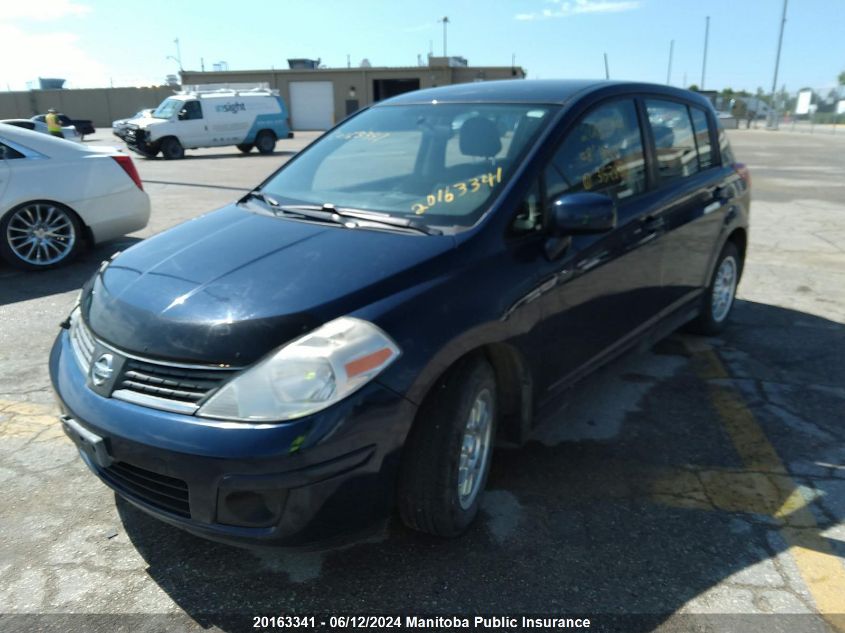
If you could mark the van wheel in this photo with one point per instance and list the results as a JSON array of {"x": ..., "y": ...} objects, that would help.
[
  {"x": 172, "y": 149},
  {"x": 447, "y": 456},
  {"x": 718, "y": 300},
  {"x": 265, "y": 142},
  {"x": 246, "y": 148}
]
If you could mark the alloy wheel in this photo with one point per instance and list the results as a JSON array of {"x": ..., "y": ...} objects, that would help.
[{"x": 41, "y": 234}]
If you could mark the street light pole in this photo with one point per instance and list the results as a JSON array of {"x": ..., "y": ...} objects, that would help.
[
  {"x": 669, "y": 72},
  {"x": 606, "y": 68},
  {"x": 704, "y": 62},
  {"x": 445, "y": 21},
  {"x": 773, "y": 115},
  {"x": 178, "y": 53}
]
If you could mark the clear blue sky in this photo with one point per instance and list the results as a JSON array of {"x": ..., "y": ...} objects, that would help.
[{"x": 93, "y": 42}]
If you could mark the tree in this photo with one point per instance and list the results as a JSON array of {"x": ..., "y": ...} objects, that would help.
[{"x": 694, "y": 87}]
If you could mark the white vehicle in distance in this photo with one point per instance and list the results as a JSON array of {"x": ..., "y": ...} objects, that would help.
[
  {"x": 118, "y": 127},
  {"x": 68, "y": 131},
  {"x": 246, "y": 119},
  {"x": 55, "y": 196}
]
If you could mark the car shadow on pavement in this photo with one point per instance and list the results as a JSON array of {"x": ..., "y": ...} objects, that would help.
[
  {"x": 640, "y": 507},
  {"x": 18, "y": 285}
]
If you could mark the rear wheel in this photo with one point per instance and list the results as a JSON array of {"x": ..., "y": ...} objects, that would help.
[
  {"x": 40, "y": 236},
  {"x": 265, "y": 142},
  {"x": 172, "y": 149},
  {"x": 246, "y": 148},
  {"x": 718, "y": 300},
  {"x": 447, "y": 456}
]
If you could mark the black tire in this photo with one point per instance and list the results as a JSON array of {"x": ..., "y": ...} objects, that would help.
[
  {"x": 712, "y": 320},
  {"x": 171, "y": 149},
  {"x": 246, "y": 148},
  {"x": 65, "y": 223},
  {"x": 428, "y": 497},
  {"x": 265, "y": 142}
]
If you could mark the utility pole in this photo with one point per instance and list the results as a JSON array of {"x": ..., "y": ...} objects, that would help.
[
  {"x": 704, "y": 62},
  {"x": 178, "y": 58},
  {"x": 669, "y": 72},
  {"x": 348, "y": 61},
  {"x": 445, "y": 21},
  {"x": 772, "y": 123},
  {"x": 606, "y": 68},
  {"x": 202, "y": 64}
]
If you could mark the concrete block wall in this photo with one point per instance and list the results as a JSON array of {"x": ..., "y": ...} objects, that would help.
[{"x": 101, "y": 105}]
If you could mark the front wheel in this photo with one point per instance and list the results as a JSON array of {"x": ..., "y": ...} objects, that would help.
[
  {"x": 447, "y": 456},
  {"x": 172, "y": 149},
  {"x": 265, "y": 142},
  {"x": 718, "y": 300},
  {"x": 40, "y": 236}
]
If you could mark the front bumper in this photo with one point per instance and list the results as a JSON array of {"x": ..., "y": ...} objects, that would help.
[{"x": 308, "y": 481}]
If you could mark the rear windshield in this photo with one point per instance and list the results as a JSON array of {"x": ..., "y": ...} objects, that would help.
[{"x": 440, "y": 164}]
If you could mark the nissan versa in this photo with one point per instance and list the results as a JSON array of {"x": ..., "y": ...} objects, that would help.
[{"x": 421, "y": 282}]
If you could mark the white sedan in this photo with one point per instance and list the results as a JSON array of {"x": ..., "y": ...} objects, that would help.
[
  {"x": 68, "y": 131},
  {"x": 55, "y": 195}
]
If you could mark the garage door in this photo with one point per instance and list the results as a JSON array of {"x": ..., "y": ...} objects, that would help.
[{"x": 312, "y": 105}]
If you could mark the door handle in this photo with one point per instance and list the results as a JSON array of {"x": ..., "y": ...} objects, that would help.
[
  {"x": 652, "y": 223},
  {"x": 721, "y": 194}
]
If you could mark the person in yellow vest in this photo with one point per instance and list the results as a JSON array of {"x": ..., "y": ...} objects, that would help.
[{"x": 54, "y": 126}]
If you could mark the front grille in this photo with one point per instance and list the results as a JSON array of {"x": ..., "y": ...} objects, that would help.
[
  {"x": 155, "y": 384},
  {"x": 81, "y": 341},
  {"x": 188, "y": 385},
  {"x": 160, "y": 491}
]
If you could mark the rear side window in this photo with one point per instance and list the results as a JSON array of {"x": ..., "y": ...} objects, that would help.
[
  {"x": 674, "y": 140},
  {"x": 603, "y": 153},
  {"x": 702, "y": 137},
  {"x": 7, "y": 153}
]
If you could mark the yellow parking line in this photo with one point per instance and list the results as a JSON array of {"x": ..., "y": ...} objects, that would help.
[{"x": 821, "y": 570}]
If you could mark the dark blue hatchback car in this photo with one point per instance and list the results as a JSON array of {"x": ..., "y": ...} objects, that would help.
[{"x": 358, "y": 332}]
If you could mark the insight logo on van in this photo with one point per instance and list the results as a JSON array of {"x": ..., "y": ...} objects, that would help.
[{"x": 231, "y": 107}]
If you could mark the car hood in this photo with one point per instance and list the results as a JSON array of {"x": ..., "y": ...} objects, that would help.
[{"x": 232, "y": 285}]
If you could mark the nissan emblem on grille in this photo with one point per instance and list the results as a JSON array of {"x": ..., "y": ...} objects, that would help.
[{"x": 102, "y": 369}]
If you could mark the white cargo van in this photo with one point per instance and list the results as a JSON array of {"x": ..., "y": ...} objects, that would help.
[{"x": 245, "y": 119}]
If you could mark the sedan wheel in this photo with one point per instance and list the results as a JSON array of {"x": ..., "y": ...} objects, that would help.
[
  {"x": 724, "y": 289},
  {"x": 446, "y": 458},
  {"x": 718, "y": 299},
  {"x": 39, "y": 235}
]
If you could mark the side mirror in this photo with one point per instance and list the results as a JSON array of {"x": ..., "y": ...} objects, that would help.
[
  {"x": 582, "y": 214},
  {"x": 183, "y": 115}
]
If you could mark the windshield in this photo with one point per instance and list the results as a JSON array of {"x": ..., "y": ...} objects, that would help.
[
  {"x": 167, "y": 109},
  {"x": 438, "y": 164}
]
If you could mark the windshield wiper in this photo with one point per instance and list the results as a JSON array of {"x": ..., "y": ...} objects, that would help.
[
  {"x": 260, "y": 196},
  {"x": 374, "y": 217}
]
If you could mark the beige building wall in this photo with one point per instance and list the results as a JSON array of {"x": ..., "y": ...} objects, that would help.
[{"x": 345, "y": 79}]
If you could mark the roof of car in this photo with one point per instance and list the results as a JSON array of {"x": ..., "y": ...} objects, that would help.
[
  {"x": 43, "y": 143},
  {"x": 525, "y": 90}
]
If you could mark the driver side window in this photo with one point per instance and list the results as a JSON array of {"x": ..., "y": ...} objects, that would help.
[
  {"x": 602, "y": 153},
  {"x": 192, "y": 110}
]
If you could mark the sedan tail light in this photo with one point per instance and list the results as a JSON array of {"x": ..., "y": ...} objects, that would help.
[{"x": 129, "y": 168}]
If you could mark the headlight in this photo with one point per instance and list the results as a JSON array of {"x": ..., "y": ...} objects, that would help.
[{"x": 306, "y": 375}]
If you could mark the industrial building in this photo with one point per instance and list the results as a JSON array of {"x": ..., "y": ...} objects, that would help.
[{"x": 319, "y": 97}]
